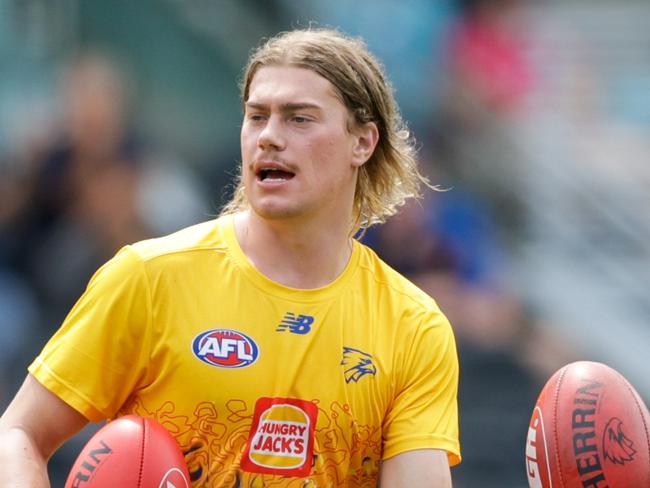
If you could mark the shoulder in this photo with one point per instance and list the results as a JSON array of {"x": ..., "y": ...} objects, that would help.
[
  {"x": 204, "y": 236},
  {"x": 187, "y": 248},
  {"x": 393, "y": 285},
  {"x": 157, "y": 264}
]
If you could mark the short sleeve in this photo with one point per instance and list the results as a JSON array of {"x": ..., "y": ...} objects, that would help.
[
  {"x": 424, "y": 413},
  {"x": 100, "y": 353}
]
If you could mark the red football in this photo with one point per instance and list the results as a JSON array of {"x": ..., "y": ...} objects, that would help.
[
  {"x": 589, "y": 429},
  {"x": 130, "y": 452}
]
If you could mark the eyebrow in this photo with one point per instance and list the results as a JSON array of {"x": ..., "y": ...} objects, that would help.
[{"x": 285, "y": 107}]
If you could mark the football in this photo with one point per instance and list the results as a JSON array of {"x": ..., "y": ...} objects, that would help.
[
  {"x": 589, "y": 429},
  {"x": 130, "y": 452}
]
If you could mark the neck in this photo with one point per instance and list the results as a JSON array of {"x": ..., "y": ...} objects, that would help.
[{"x": 297, "y": 255}]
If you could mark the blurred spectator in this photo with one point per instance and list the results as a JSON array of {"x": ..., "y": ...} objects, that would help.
[
  {"x": 78, "y": 204},
  {"x": 88, "y": 187},
  {"x": 488, "y": 79},
  {"x": 487, "y": 55}
]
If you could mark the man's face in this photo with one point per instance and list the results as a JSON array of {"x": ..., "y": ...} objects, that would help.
[{"x": 298, "y": 158}]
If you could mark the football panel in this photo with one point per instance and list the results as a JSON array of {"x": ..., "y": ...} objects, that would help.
[
  {"x": 112, "y": 457},
  {"x": 163, "y": 464}
]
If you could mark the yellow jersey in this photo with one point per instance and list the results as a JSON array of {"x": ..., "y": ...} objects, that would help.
[{"x": 261, "y": 384}]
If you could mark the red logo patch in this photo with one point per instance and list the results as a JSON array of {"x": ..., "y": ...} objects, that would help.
[{"x": 281, "y": 439}]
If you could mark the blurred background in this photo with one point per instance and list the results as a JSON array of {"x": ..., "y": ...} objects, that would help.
[{"x": 119, "y": 121}]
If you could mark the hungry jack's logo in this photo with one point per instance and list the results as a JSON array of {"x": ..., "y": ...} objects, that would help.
[{"x": 281, "y": 439}]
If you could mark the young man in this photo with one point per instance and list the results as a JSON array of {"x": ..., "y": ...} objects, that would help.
[{"x": 278, "y": 349}]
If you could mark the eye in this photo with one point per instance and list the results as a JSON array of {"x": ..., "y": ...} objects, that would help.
[
  {"x": 255, "y": 117},
  {"x": 299, "y": 119}
]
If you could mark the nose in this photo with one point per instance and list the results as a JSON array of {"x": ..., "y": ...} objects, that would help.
[{"x": 272, "y": 136}]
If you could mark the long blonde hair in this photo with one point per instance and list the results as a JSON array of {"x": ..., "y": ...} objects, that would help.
[{"x": 391, "y": 175}]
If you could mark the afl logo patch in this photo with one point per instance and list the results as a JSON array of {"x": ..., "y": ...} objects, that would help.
[{"x": 225, "y": 348}]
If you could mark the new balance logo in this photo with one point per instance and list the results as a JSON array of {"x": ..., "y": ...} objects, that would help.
[{"x": 300, "y": 324}]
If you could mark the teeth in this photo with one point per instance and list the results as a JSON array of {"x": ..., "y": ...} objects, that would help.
[{"x": 266, "y": 173}]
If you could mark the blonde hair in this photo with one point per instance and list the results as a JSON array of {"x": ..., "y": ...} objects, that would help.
[{"x": 391, "y": 175}]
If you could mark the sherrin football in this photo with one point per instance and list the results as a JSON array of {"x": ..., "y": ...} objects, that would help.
[
  {"x": 589, "y": 429},
  {"x": 130, "y": 452}
]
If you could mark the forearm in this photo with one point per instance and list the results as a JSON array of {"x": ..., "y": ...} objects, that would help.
[
  {"x": 32, "y": 428},
  {"x": 21, "y": 464}
]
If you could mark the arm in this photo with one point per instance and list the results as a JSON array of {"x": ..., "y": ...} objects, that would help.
[
  {"x": 419, "y": 468},
  {"x": 34, "y": 425}
]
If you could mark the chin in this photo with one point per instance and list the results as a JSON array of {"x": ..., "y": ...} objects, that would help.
[{"x": 276, "y": 211}]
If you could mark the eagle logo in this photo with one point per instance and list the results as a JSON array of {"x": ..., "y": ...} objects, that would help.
[
  {"x": 617, "y": 447},
  {"x": 357, "y": 364}
]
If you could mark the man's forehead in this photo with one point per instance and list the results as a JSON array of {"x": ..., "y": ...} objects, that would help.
[{"x": 290, "y": 85}]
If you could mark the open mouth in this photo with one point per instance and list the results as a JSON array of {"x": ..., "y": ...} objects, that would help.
[{"x": 274, "y": 174}]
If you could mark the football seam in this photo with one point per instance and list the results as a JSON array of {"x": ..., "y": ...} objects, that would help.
[
  {"x": 556, "y": 395},
  {"x": 142, "y": 451},
  {"x": 639, "y": 407}
]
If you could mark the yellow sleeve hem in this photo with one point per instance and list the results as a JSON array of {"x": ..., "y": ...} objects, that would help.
[
  {"x": 66, "y": 392},
  {"x": 425, "y": 442}
]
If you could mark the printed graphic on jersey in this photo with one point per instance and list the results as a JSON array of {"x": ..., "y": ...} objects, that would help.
[
  {"x": 213, "y": 439},
  {"x": 225, "y": 348},
  {"x": 357, "y": 364},
  {"x": 281, "y": 439},
  {"x": 300, "y": 324}
]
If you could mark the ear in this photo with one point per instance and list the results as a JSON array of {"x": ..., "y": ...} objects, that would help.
[{"x": 366, "y": 137}]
